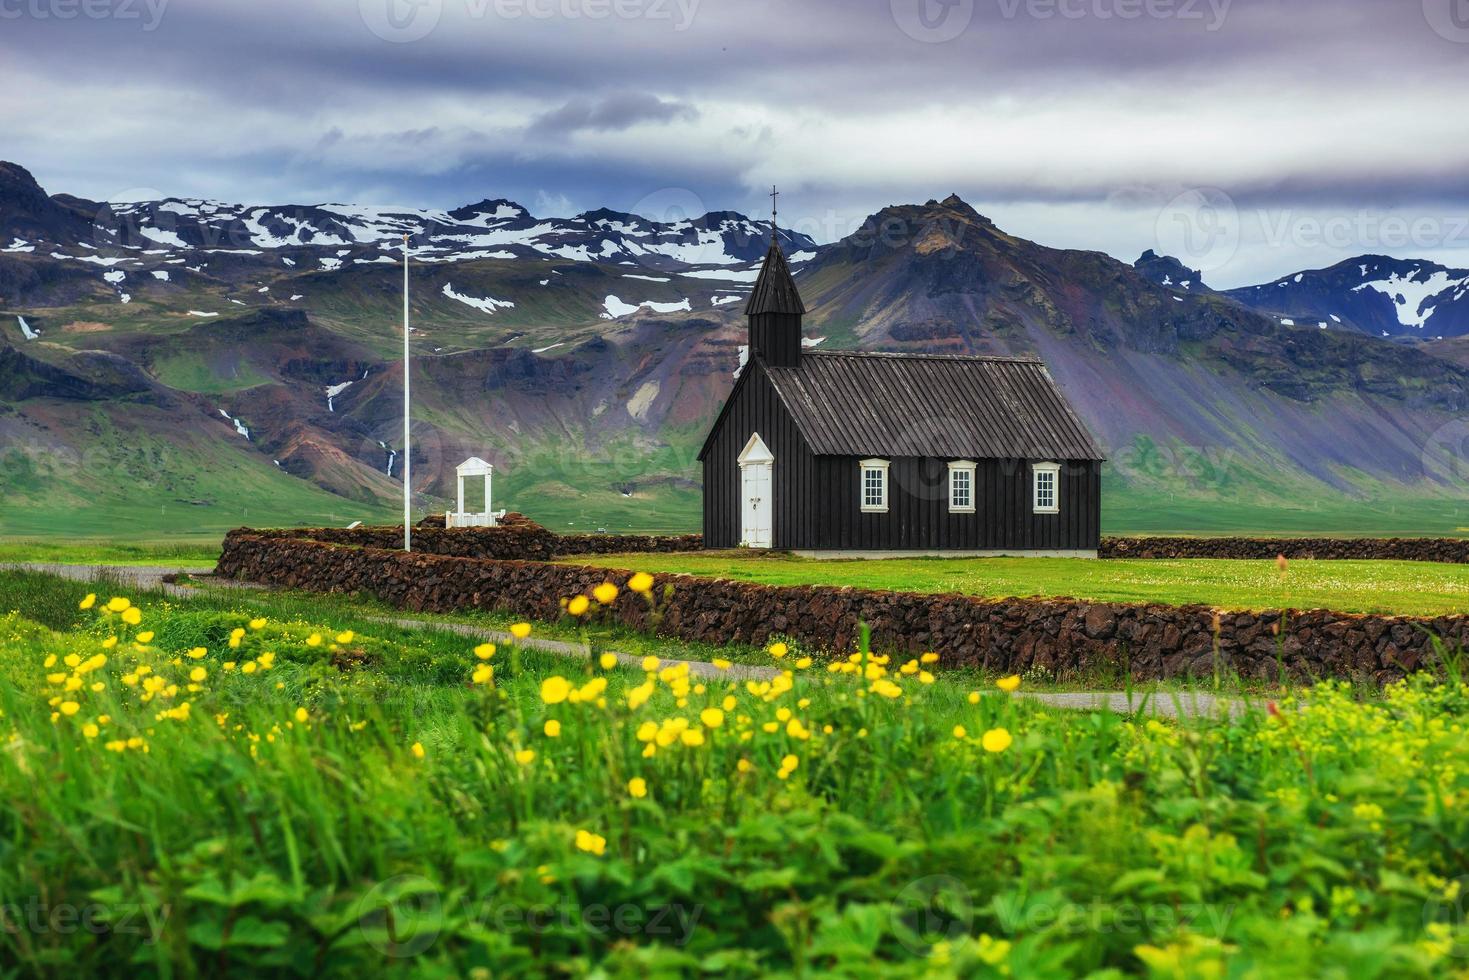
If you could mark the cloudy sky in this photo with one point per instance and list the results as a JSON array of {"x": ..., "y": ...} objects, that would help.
[{"x": 1250, "y": 137}]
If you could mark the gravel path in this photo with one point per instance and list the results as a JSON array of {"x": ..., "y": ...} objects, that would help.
[{"x": 1163, "y": 704}]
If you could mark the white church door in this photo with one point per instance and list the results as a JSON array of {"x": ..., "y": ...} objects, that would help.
[{"x": 757, "y": 488}]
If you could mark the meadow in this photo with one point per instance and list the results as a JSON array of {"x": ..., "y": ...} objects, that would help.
[
  {"x": 250, "y": 783},
  {"x": 1395, "y": 587}
]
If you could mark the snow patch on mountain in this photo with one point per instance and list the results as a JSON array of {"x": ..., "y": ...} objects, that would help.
[
  {"x": 1409, "y": 294},
  {"x": 486, "y": 305},
  {"x": 616, "y": 308}
]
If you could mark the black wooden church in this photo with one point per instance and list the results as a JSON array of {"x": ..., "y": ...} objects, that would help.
[{"x": 840, "y": 453}]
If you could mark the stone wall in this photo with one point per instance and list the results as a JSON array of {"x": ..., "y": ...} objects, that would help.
[
  {"x": 516, "y": 537},
  {"x": 1060, "y": 636},
  {"x": 1451, "y": 550}
]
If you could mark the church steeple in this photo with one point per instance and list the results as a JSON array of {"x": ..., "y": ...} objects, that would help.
[{"x": 775, "y": 309}]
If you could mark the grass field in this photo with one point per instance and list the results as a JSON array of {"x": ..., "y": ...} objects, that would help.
[
  {"x": 252, "y": 788},
  {"x": 1398, "y": 587}
]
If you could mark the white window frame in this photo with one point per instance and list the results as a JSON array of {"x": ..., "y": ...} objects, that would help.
[
  {"x": 1054, "y": 470},
  {"x": 967, "y": 467},
  {"x": 880, "y": 467}
]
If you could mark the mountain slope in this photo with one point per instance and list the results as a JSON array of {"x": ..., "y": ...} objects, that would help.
[{"x": 252, "y": 364}]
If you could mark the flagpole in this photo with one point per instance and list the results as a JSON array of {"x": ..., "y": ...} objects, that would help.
[{"x": 407, "y": 448}]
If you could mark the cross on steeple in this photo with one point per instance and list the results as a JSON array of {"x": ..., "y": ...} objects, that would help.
[{"x": 773, "y": 193}]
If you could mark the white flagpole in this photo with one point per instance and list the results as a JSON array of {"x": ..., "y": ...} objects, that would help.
[{"x": 407, "y": 449}]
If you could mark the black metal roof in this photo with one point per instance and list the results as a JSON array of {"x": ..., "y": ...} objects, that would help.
[
  {"x": 775, "y": 290},
  {"x": 944, "y": 406}
]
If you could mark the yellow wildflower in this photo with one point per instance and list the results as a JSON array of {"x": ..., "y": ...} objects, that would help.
[
  {"x": 301, "y": 714},
  {"x": 525, "y": 756},
  {"x": 145, "y": 637},
  {"x": 198, "y": 674},
  {"x": 721, "y": 664},
  {"x": 641, "y": 582},
  {"x": 711, "y": 717},
  {"x": 117, "y": 604},
  {"x": 637, "y": 787},
  {"x": 590, "y": 842},
  {"x": 132, "y": 615},
  {"x": 314, "y": 640},
  {"x": 554, "y": 689},
  {"x": 996, "y": 740},
  {"x": 417, "y": 750},
  {"x": 1008, "y": 684},
  {"x": 484, "y": 651},
  {"x": 608, "y": 661},
  {"x": 578, "y": 605},
  {"x": 605, "y": 593},
  {"x": 650, "y": 664},
  {"x": 552, "y": 728},
  {"x": 778, "y": 650},
  {"x": 88, "y": 602},
  {"x": 70, "y": 708},
  {"x": 520, "y": 630},
  {"x": 959, "y": 731},
  {"x": 90, "y": 730}
]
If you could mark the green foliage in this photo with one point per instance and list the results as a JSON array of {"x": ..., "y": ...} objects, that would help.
[{"x": 356, "y": 803}]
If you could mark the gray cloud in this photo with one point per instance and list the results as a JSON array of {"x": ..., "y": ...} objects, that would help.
[
  {"x": 620, "y": 110},
  {"x": 1070, "y": 121}
]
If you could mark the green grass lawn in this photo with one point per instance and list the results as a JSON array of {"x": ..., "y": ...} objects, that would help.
[
  {"x": 1396, "y": 587},
  {"x": 199, "y": 553},
  {"x": 238, "y": 786}
]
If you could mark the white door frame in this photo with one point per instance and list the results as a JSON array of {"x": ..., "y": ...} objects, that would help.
[{"x": 757, "y": 473}]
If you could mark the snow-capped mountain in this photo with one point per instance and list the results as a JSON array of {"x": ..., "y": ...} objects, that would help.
[
  {"x": 332, "y": 235},
  {"x": 1375, "y": 294}
]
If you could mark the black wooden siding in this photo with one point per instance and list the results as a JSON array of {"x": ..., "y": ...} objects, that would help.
[
  {"x": 755, "y": 407},
  {"x": 817, "y": 504}
]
